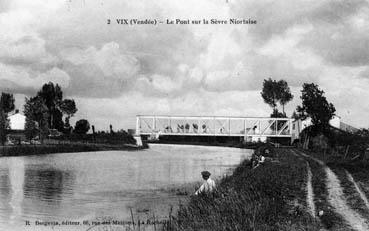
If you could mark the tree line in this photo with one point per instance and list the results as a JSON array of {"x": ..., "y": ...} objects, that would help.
[
  {"x": 45, "y": 111},
  {"x": 314, "y": 103}
]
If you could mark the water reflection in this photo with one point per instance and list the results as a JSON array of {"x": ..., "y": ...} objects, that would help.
[
  {"x": 46, "y": 184},
  {"x": 16, "y": 180},
  {"x": 96, "y": 184}
]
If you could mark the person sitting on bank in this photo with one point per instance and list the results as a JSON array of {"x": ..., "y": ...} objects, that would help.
[
  {"x": 208, "y": 186},
  {"x": 259, "y": 160}
]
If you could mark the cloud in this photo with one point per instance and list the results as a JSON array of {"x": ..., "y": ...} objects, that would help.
[
  {"x": 19, "y": 43},
  {"x": 109, "y": 59},
  {"x": 104, "y": 72},
  {"x": 121, "y": 112},
  {"x": 185, "y": 69},
  {"x": 165, "y": 84},
  {"x": 16, "y": 77}
]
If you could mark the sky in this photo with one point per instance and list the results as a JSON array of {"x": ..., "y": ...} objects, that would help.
[{"x": 115, "y": 72}]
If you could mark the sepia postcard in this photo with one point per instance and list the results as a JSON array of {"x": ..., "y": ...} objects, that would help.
[{"x": 169, "y": 115}]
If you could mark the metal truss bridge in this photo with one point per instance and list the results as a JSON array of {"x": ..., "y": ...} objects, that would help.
[{"x": 213, "y": 126}]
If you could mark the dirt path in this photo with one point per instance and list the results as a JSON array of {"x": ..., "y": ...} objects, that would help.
[
  {"x": 337, "y": 200},
  {"x": 358, "y": 189},
  {"x": 310, "y": 192}
]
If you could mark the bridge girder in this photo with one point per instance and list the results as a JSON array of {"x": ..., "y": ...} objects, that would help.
[{"x": 213, "y": 126}]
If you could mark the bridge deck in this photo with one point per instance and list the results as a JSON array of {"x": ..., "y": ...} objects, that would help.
[{"x": 213, "y": 126}]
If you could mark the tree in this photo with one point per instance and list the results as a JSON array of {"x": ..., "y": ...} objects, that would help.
[
  {"x": 111, "y": 129},
  {"x": 6, "y": 106},
  {"x": 36, "y": 110},
  {"x": 7, "y": 102},
  {"x": 68, "y": 107},
  {"x": 315, "y": 105},
  {"x": 295, "y": 116},
  {"x": 285, "y": 95},
  {"x": 82, "y": 126},
  {"x": 56, "y": 106},
  {"x": 52, "y": 96},
  {"x": 4, "y": 125},
  {"x": 30, "y": 128},
  {"x": 277, "y": 114},
  {"x": 270, "y": 92},
  {"x": 274, "y": 92}
]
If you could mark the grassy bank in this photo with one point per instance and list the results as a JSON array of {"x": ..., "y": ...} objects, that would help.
[
  {"x": 26, "y": 150},
  {"x": 270, "y": 197}
]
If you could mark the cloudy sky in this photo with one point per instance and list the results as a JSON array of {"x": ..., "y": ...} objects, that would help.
[{"x": 115, "y": 72}]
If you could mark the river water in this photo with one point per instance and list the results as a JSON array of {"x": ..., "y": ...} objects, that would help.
[{"x": 102, "y": 185}]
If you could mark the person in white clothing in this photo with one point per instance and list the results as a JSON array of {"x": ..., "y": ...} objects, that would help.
[
  {"x": 259, "y": 160},
  {"x": 208, "y": 186}
]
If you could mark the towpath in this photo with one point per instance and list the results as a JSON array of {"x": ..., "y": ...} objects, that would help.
[{"x": 336, "y": 197}]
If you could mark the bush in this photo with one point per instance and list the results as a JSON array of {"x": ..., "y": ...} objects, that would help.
[
  {"x": 82, "y": 126},
  {"x": 121, "y": 137}
]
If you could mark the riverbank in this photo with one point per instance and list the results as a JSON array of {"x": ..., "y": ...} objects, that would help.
[
  {"x": 294, "y": 190},
  {"x": 270, "y": 197},
  {"x": 27, "y": 150}
]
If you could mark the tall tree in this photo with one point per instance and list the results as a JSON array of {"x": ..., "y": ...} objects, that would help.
[
  {"x": 285, "y": 95},
  {"x": 36, "y": 110},
  {"x": 270, "y": 92},
  {"x": 68, "y": 107},
  {"x": 7, "y": 102},
  {"x": 315, "y": 105},
  {"x": 52, "y": 96},
  {"x": 6, "y": 106},
  {"x": 4, "y": 126},
  {"x": 274, "y": 92}
]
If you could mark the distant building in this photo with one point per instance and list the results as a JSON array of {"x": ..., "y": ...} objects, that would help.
[
  {"x": 17, "y": 121},
  {"x": 348, "y": 128},
  {"x": 299, "y": 125}
]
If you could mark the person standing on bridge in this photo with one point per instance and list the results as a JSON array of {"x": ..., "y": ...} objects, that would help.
[{"x": 208, "y": 186}]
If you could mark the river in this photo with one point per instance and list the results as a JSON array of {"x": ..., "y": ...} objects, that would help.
[{"x": 101, "y": 185}]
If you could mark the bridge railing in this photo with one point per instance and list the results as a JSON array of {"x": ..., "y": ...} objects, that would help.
[{"x": 216, "y": 126}]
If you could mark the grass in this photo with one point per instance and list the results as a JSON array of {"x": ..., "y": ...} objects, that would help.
[
  {"x": 26, "y": 150},
  {"x": 351, "y": 195},
  {"x": 270, "y": 197},
  {"x": 359, "y": 170},
  {"x": 330, "y": 219}
]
